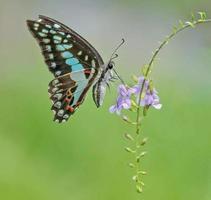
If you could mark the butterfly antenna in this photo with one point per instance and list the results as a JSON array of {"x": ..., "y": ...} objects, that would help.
[{"x": 114, "y": 55}]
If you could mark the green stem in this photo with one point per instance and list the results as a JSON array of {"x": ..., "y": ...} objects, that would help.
[{"x": 146, "y": 76}]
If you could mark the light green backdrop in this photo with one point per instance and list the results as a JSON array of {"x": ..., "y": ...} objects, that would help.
[{"x": 84, "y": 158}]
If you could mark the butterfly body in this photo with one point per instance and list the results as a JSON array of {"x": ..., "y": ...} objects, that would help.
[
  {"x": 75, "y": 64},
  {"x": 99, "y": 88}
]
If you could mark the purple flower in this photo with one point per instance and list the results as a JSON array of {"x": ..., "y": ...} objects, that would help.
[
  {"x": 137, "y": 88},
  {"x": 150, "y": 97},
  {"x": 123, "y": 100}
]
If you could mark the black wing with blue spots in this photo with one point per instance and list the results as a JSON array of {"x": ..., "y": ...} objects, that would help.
[{"x": 74, "y": 62}]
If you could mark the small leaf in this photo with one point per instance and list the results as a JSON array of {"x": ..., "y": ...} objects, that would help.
[
  {"x": 131, "y": 165},
  {"x": 139, "y": 189},
  {"x": 126, "y": 119},
  {"x": 203, "y": 15},
  {"x": 190, "y": 24},
  {"x": 135, "y": 178},
  {"x": 142, "y": 172},
  {"x": 135, "y": 78},
  {"x": 192, "y": 17},
  {"x": 133, "y": 123},
  {"x": 143, "y": 154},
  {"x": 142, "y": 183},
  {"x": 181, "y": 23},
  {"x": 128, "y": 136},
  {"x": 133, "y": 109},
  {"x": 174, "y": 29},
  {"x": 146, "y": 108},
  {"x": 151, "y": 86},
  {"x": 134, "y": 104},
  {"x": 144, "y": 69},
  {"x": 140, "y": 156},
  {"x": 129, "y": 150},
  {"x": 144, "y": 141}
]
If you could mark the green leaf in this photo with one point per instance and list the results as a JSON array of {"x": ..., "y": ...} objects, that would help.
[
  {"x": 143, "y": 154},
  {"x": 144, "y": 69},
  {"x": 190, "y": 24},
  {"x": 192, "y": 17},
  {"x": 131, "y": 165},
  {"x": 126, "y": 119},
  {"x": 146, "y": 108},
  {"x": 138, "y": 159},
  {"x": 144, "y": 141},
  {"x": 135, "y": 178},
  {"x": 203, "y": 15},
  {"x": 129, "y": 150},
  {"x": 139, "y": 189},
  {"x": 181, "y": 23},
  {"x": 175, "y": 29},
  {"x": 134, "y": 78},
  {"x": 142, "y": 172},
  {"x": 128, "y": 136},
  {"x": 134, "y": 104},
  {"x": 151, "y": 86},
  {"x": 142, "y": 183}
]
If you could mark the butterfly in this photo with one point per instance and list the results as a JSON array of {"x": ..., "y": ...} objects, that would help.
[{"x": 75, "y": 64}]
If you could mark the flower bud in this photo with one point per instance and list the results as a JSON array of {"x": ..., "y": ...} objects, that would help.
[
  {"x": 128, "y": 136},
  {"x": 129, "y": 150},
  {"x": 139, "y": 189},
  {"x": 144, "y": 141}
]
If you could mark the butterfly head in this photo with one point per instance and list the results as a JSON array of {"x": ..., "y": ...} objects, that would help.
[{"x": 110, "y": 65}]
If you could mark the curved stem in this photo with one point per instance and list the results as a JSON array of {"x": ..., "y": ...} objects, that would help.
[
  {"x": 146, "y": 76},
  {"x": 168, "y": 38}
]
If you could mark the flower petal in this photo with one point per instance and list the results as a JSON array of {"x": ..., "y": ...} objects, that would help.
[
  {"x": 122, "y": 90},
  {"x": 126, "y": 105},
  {"x": 157, "y": 106},
  {"x": 112, "y": 109},
  {"x": 135, "y": 90}
]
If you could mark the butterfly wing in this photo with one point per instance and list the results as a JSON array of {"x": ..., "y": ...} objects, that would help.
[{"x": 73, "y": 61}]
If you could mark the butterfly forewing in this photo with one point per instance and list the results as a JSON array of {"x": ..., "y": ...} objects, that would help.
[{"x": 73, "y": 61}]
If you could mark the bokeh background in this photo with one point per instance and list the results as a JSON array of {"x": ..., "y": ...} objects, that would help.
[{"x": 84, "y": 158}]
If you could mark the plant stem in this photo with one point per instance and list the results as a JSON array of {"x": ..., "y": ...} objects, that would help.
[{"x": 146, "y": 76}]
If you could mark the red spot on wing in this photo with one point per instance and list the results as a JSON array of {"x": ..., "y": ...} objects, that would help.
[
  {"x": 87, "y": 71},
  {"x": 70, "y": 108},
  {"x": 67, "y": 100}
]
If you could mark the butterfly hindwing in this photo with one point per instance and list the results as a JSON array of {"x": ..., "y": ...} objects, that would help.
[
  {"x": 73, "y": 61},
  {"x": 67, "y": 93}
]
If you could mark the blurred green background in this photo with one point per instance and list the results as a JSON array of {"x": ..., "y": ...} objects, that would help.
[{"x": 84, "y": 158}]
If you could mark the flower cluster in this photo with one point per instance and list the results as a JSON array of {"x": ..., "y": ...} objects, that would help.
[{"x": 149, "y": 96}]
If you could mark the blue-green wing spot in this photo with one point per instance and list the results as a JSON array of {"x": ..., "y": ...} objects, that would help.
[
  {"x": 63, "y": 47},
  {"x": 66, "y": 54},
  {"x": 77, "y": 67},
  {"x": 72, "y": 61}
]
